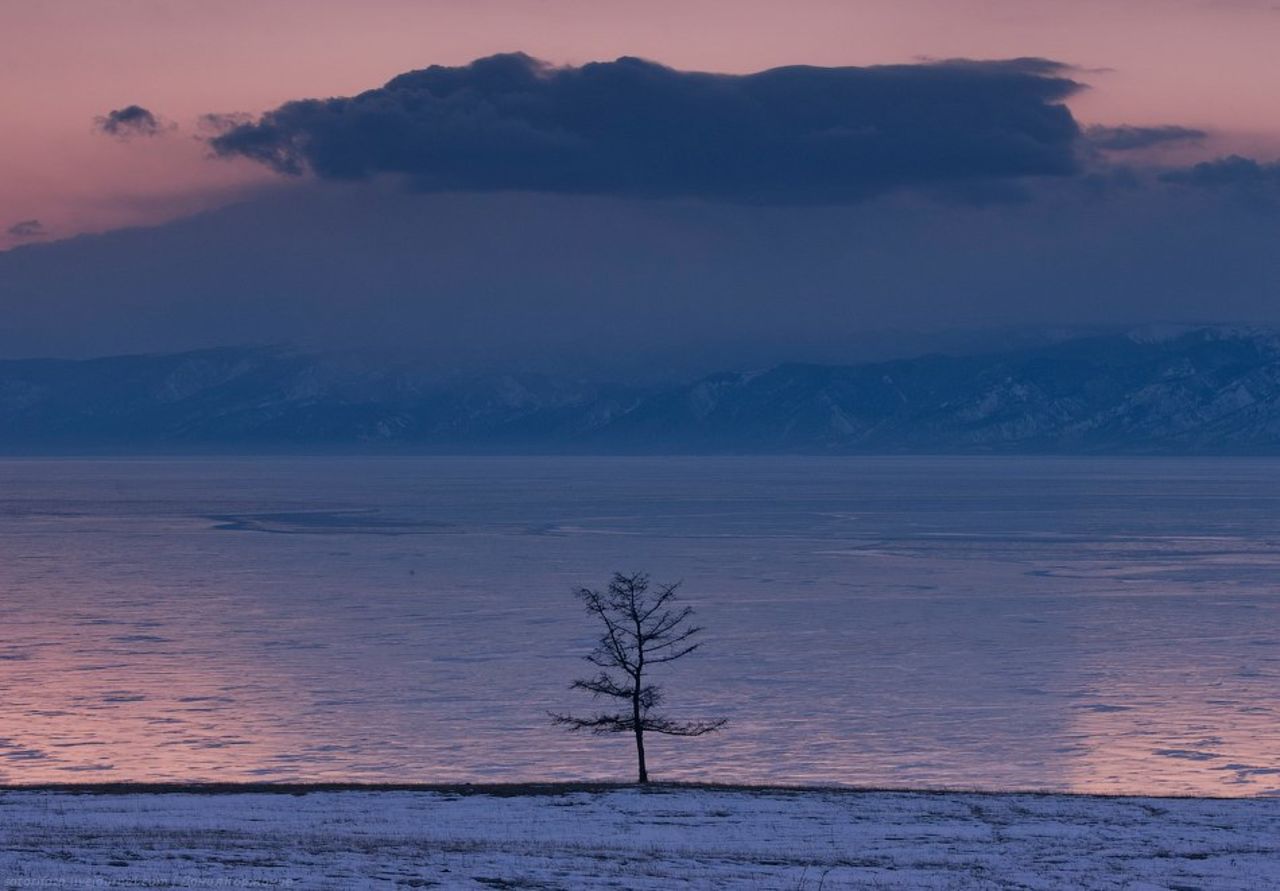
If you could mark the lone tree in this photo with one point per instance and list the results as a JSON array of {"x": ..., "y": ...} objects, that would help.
[{"x": 643, "y": 627}]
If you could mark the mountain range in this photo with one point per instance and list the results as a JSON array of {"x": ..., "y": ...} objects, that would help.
[{"x": 1210, "y": 390}]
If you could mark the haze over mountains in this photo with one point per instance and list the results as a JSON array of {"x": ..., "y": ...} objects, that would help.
[{"x": 1189, "y": 391}]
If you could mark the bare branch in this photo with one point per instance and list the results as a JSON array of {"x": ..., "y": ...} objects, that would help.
[
  {"x": 668, "y": 621},
  {"x": 597, "y": 724},
  {"x": 673, "y": 656},
  {"x": 676, "y": 639},
  {"x": 664, "y": 596},
  {"x": 611, "y": 650},
  {"x": 603, "y": 685},
  {"x": 686, "y": 728}
]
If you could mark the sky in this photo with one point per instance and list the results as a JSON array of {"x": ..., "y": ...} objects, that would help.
[{"x": 740, "y": 181}]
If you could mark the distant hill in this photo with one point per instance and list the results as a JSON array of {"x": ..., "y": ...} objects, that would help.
[{"x": 1190, "y": 391}]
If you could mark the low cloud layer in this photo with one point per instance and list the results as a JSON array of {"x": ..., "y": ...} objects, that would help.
[
  {"x": 507, "y": 280},
  {"x": 635, "y": 128},
  {"x": 132, "y": 120}
]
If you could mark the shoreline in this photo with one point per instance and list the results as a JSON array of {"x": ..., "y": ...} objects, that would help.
[{"x": 552, "y": 788}]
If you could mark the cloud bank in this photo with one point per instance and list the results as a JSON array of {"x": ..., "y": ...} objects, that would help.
[
  {"x": 530, "y": 280},
  {"x": 635, "y": 128}
]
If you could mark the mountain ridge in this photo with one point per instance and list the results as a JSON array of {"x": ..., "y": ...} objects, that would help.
[{"x": 1205, "y": 390}]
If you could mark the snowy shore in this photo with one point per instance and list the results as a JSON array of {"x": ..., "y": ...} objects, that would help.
[{"x": 621, "y": 837}]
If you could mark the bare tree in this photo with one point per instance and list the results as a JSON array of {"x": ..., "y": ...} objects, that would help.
[{"x": 643, "y": 628}]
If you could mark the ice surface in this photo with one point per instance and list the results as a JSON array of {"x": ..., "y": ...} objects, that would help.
[{"x": 1012, "y": 623}]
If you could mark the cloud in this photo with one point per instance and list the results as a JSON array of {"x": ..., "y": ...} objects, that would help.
[
  {"x": 1232, "y": 170},
  {"x": 27, "y": 229},
  {"x": 1125, "y": 137},
  {"x": 132, "y": 120},
  {"x": 636, "y": 128},
  {"x": 217, "y": 123}
]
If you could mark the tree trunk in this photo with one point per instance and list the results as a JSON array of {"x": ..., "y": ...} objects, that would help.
[
  {"x": 644, "y": 774},
  {"x": 635, "y": 717}
]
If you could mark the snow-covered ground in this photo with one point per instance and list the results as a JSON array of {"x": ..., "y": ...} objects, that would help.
[{"x": 626, "y": 838}]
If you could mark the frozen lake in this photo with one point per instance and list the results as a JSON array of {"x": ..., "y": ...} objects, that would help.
[{"x": 1096, "y": 625}]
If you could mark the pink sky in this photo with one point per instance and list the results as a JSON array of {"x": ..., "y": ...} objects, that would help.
[{"x": 1205, "y": 63}]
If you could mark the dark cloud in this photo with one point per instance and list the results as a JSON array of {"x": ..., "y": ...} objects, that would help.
[
  {"x": 1126, "y": 138},
  {"x": 1232, "y": 170},
  {"x": 26, "y": 229},
  {"x": 132, "y": 120},
  {"x": 635, "y": 128}
]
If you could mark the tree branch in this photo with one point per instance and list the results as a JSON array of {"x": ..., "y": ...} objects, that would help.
[
  {"x": 603, "y": 685},
  {"x": 682, "y": 728},
  {"x": 596, "y": 724}
]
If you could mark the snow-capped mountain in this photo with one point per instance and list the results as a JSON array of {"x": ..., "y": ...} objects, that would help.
[{"x": 1200, "y": 390}]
